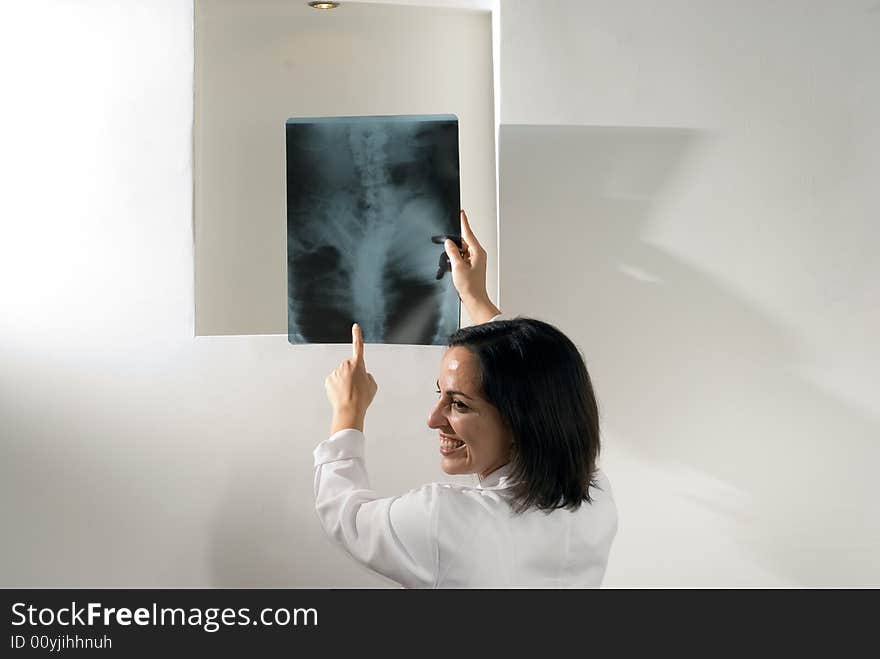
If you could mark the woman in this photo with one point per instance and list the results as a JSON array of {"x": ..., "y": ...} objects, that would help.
[{"x": 516, "y": 408}]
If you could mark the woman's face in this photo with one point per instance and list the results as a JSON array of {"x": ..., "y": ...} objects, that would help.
[{"x": 462, "y": 414}]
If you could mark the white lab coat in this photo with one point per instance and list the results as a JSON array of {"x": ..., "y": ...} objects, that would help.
[
  {"x": 444, "y": 535},
  {"x": 448, "y": 535}
]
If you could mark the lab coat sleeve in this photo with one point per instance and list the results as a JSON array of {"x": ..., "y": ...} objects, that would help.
[{"x": 394, "y": 536}]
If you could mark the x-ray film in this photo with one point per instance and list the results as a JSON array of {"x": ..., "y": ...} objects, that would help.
[{"x": 369, "y": 202}]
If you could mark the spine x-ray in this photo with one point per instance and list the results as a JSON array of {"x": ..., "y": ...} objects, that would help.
[{"x": 369, "y": 202}]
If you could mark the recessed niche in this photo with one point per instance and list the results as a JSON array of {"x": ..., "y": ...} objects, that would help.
[{"x": 257, "y": 64}]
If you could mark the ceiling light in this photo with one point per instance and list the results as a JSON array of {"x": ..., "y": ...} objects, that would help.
[{"x": 323, "y": 5}]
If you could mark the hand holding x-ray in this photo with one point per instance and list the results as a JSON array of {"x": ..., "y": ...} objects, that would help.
[
  {"x": 467, "y": 260},
  {"x": 444, "y": 265}
]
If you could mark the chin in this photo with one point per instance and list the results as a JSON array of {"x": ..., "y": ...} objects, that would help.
[{"x": 453, "y": 469}]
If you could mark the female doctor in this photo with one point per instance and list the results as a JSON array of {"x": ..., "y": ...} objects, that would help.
[{"x": 516, "y": 408}]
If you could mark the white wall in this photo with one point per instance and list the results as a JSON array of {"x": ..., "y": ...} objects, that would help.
[
  {"x": 689, "y": 190},
  {"x": 132, "y": 453}
]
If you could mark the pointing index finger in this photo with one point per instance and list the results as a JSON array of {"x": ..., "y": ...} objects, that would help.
[{"x": 357, "y": 343}]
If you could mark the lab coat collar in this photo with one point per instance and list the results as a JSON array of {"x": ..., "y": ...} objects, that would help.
[{"x": 497, "y": 480}]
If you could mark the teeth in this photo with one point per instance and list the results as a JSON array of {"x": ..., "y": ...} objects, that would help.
[{"x": 449, "y": 444}]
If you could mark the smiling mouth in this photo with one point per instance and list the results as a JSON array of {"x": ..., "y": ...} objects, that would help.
[{"x": 449, "y": 446}]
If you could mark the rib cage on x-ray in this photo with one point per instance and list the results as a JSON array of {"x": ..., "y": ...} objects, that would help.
[{"x": 365, "y": 195}]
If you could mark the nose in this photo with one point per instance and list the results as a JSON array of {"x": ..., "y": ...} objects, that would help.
[{"x": 436, "y": 418}]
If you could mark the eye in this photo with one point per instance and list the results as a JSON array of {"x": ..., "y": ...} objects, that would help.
[{"x": 461, "y": 405}]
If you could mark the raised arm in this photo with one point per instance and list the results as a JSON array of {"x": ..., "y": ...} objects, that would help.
[
  {"x": 393, "y": 536},
  {"x": 480, "y": 310}
]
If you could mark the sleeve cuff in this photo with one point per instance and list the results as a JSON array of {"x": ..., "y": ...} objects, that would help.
[{"x": 341, "y": 445}]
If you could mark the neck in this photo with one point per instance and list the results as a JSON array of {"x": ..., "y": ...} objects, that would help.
[{"x": 491, "y": 469}]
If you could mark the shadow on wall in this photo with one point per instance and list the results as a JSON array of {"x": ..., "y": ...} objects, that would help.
[
  {"x": 264, "y": 531},
  {"x": 687, "y": 372},
  {"x": 267, "y": 533}
]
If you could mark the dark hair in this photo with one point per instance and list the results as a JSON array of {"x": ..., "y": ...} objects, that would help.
[{"x": 538, "y": 380}]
